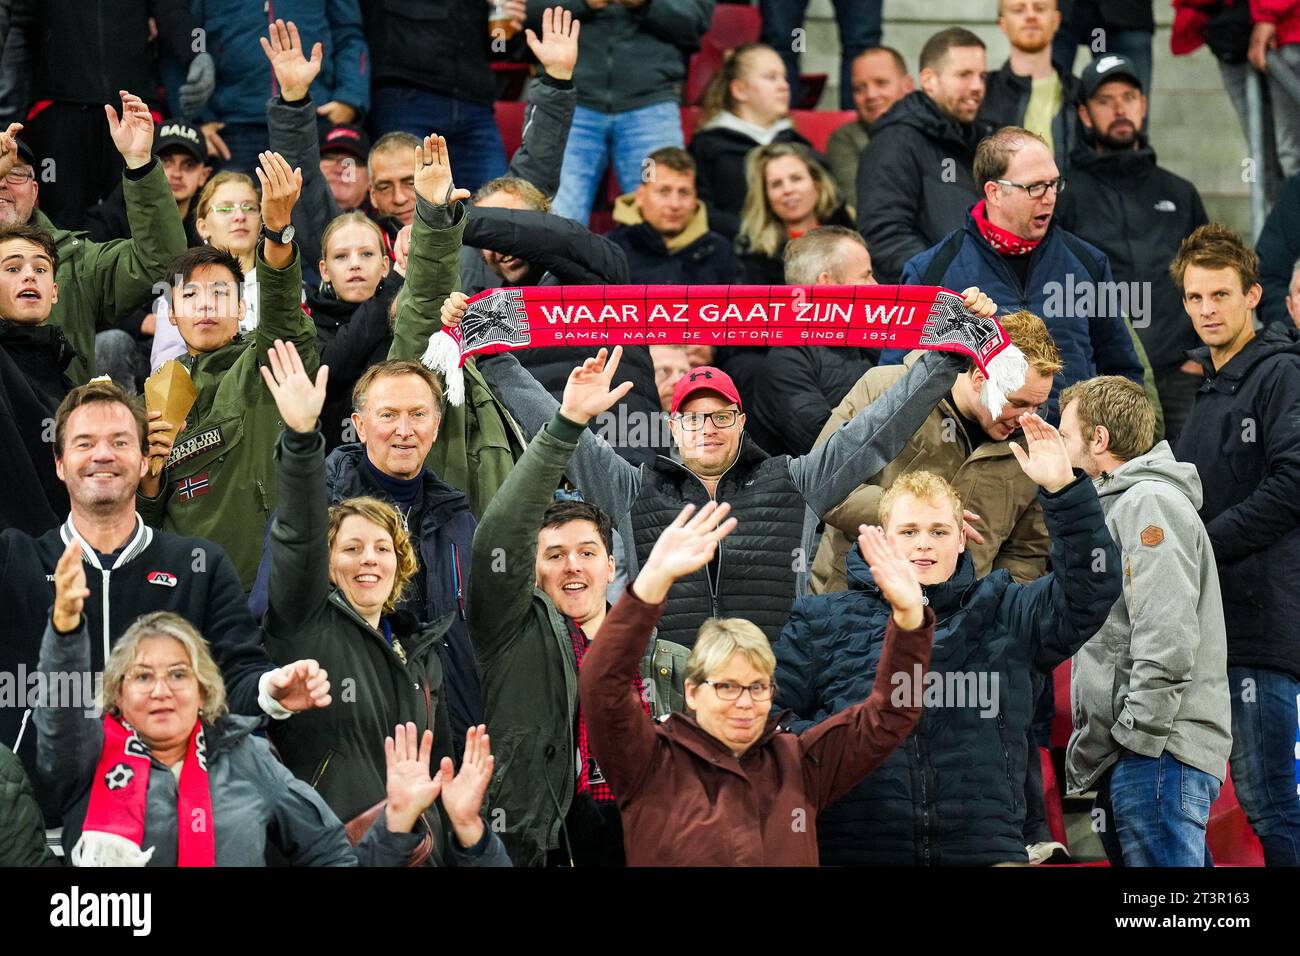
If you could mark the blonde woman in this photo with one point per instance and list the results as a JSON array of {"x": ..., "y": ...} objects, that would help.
[
  {"x": 787, "y": 194},
  {"x": 337, "y": 575}
]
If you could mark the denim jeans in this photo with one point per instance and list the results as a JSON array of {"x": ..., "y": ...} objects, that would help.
[
  {"x": 1263, "y": 758},
  {"x": 473, "y": 140},
  {"x": 1235, "y": 76},
  {"x": 1154, "y": 811},
  {"x": 859, "y": 27},
  {"x": 626, "y": 138}
]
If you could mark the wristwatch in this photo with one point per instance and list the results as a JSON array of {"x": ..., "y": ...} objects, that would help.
[{"x": 284, "y": 236}]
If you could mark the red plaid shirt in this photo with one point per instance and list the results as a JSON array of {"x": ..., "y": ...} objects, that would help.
[{"x": 590, "y": 779}]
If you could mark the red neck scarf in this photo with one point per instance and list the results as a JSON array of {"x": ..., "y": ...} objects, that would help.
[
  {"x": 113, "y": 831},
  {"x": 1003, "y": 242}
]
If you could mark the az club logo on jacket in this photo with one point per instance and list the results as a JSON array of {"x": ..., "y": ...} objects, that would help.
[{"x": 163, "y": 578}]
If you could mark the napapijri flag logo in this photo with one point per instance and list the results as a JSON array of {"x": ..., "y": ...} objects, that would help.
[{"x": 194, "y": 486}]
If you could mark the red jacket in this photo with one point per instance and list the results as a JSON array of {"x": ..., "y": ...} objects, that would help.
[
  {"x": 1190, "y": 17},
  {"x": 1284, "y": 14},
  {"x": 686, "y": 800}
]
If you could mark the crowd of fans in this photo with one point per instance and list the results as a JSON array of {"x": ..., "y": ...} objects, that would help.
[{"x": 273, "y": 595}]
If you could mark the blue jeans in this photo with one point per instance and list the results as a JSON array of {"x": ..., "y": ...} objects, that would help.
[
  {"x": 859, "y": 27},
  {"x": 1079, "y": 31},
  {"x": 1154, "y": 811},
  {"x": 477, "y": 154},
  {"x": 1263, "y": 758},
  {"x": 626, "y": 138}
]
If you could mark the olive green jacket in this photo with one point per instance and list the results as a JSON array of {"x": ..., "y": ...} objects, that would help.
[
  {"x": 530, "y": 678},
  {"x": 478, "y": 442},
  {"x": 102, "y": 283},
  {"x": 220, "y": 481}
]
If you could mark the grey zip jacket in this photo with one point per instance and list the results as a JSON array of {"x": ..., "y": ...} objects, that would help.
[{"x": 1155, "y": 677}]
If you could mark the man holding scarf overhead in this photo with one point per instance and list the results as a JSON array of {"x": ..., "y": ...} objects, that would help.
[{"x": 754, "y": 574}]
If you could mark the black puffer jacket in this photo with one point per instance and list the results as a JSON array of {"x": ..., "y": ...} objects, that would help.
[
  {"x": 1243, "y": 436},
  {"x": 708, "y": 260},
  {"x": 1119, "y": 14},
  {"x": 33, "y": 361},
  {"x": 1006, "y": 97},
  {"x": 1278, "y": 246},
  {"x": 915, "y": 183},
  {"x": 561, "y": 251},
  {"x": 1137, "y": 214},
  {"x": 757, "y": 268},
  {"x": 438, "y": 46},
  {"x": 953, "y": 793},
  {"x": 720, "y": 172},
  {"x": 22, "y": 831},
  {"x": 798, "y": 389},
  {"x": 758, "y": 487}
]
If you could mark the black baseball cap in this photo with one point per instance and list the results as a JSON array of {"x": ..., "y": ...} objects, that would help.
[
  {"x": 175, "y": 134},
  {"x": 25, "y": 154},
  {"x": 345, "y": 139},
  {"x": 1107, "y": 67}
]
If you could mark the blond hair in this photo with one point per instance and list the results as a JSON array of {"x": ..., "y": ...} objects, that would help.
[
  {"x": 1029, "y": 334},
  {"x": 353, "y": 218},
  {"x": 204, "y": 204},
  {"x": 759, "y": 226},
  {"x": 923, "y": 486},
  {"x": 385, "y": 517},
  {"x": 164, "y": 624},
  {"x": 394, "y": 368},
  {"x": 1118, "y": 405},
  {"x": 721, "y": 637}
]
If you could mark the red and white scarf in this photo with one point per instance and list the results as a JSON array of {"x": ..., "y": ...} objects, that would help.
[
  {"x": 871, "y": 316},
  {"x": 113, "y": 831},
  {"x": 1003, "y": 242}
]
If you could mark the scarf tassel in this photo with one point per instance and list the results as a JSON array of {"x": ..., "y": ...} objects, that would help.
[{"x": 97, "y": 848}]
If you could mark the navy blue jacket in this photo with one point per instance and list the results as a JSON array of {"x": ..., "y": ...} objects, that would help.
[
  {"x": 953, "y": 792},
  {"x": 1243, "y": 436},
  {"x": 1060, "y": 290}
]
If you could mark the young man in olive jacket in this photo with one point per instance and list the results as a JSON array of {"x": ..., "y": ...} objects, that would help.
[
  {"x": 220, "y": 478},
  {"x": 537, "y": 600}
]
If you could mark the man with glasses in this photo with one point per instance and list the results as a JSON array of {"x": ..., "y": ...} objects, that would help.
[
  {"x": 1137, "y": 213},
  {"x": 1011, "y": 247},
  {"x": 777, "y": 499}
]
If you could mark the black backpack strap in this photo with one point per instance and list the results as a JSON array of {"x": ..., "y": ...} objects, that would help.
[
  {"x": 947, "y": 252},
  {"x": 1075, "y": 245}
]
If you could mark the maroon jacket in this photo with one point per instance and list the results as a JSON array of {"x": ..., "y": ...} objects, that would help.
[{"x": 685, "y": 798}]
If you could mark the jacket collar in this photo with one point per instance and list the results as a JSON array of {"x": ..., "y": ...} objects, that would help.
[
  {"x": 627, "y": 214},
  {"x": 346, "y": 477},
  {"x": 45, "y": 338},
  {"x": 686, "y": 731},
  {"x": 944, "y": 597},
  {"x": 141, "y": 539},
  {"x": 1273, "y": 340}
]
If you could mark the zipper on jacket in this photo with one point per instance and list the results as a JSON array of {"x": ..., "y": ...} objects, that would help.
[
  {"x": 715, "y": 593},
  {"x": 458, "y": 579},
  {"x": 261, "y": 491},
  {"x": 925, "y": 799},
  {"x": 321, "y": 768},
  {"x": 1006, "y": 756},
  {"x": 104, "y": 613}
]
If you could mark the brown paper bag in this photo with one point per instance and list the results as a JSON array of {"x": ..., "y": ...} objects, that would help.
[{"x": 169, "y": 390}]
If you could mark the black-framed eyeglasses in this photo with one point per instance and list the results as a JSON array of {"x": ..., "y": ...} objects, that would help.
[
  {"x": 694, "y": 421},
  {"x": 726, "y": 690},
  {"x": 1037, "y": 190},
  {"x": 20, "y": 175}
]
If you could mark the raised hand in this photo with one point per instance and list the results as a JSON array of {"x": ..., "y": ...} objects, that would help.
[
  {"x": 133, "y": 133},
  {"x": 588, "y": 393},
  {"x": 684, "y": 547},
  {"x": 557, "y": 50},
  {"x": 968, "y": 519},
  {"x": 454, "y": 308},
  {"x": 402, "y": 250},
  {"x": 893, "y": 575},
  {"x": 70, "y": 591},
  {"x": 9, "y": 148},
  {"x": 1048, "y": 463},
  {"x": 212, "y": 136},
  {"x": 300, "y": 686},
  {"x": 293, "y": 71},
  {"x": 336, "y": 111},
  {"x": 433, "y": 173},
  {"x": 462, "y": 794},
  {"x": 297, "y": 398},
  {"x": 161, "y": 435},
  {"x": 281, "y": 187},
  {"x": 979, "y": 303},
  {"x": 411, "y": 790}
]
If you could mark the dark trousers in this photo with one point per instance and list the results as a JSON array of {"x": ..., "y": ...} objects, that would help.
[
  {"x": 77, "y": 164},
  {"x": 859, "y": 27},
  {"x": 1177, "y": 390},
  {"x": 593, "y": 832},
  {"x": 245, "y": 141},
  {"x": 473, "y": 140}
]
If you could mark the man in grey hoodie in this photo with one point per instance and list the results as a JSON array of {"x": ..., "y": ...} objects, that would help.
[{"x": 1149, "y": 693}]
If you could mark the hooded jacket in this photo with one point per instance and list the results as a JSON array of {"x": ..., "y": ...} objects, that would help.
[
  {"x": 953, "y": 793},
  {"x": 1006, "y": 98},
  {"x": 22, "y": 831},
  {"x": 33, "y": 381},
  {"x": 695, "y": 256},
  {"x": 1243, "y": 436},
  {"x": 688, "y": 800},
  {"x": 799, "y": 387},
  {"x": 1278, "y": 246},
  {"x": 1155, "y": 678},
  {"x": 1137, "y": 214},
  {"x": 719, "y": 151},
  {"x": 441, "y": 47},
  {"x": 988, "y": 479},
  {"x": 914, "y": 181}
]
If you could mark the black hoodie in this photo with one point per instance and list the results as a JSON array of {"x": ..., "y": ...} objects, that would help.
[
  {"x": 1243, "y": 436},
  {"x": 1138, "y": 214},
  {"x": 915, "y": 182}
]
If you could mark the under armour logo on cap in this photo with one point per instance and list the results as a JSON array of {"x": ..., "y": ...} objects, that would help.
[{"x": 699, "y": 375}]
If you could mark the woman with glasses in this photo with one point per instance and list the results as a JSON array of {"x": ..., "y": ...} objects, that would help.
[
  {"x": 227, "y": 216},
  {"x": 724, "y": 785},
  {"x": 788, "y": 194}
]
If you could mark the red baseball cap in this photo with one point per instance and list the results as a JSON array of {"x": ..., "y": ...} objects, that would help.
[{"x": 706, "y": 378}]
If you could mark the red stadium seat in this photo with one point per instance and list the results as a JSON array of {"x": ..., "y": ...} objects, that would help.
[
  {"x": 1052, "y": 798},
  {"x": 510, "y": 78},
  {"x": 732, "y": 26},
  {"x": 510, "y": 121},
  {"x": 690, "y": 116},
  {"x": 811, "y": 86},
  {"x": 817, "y": 125},
  {"x": 1062, "y": 722}
]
